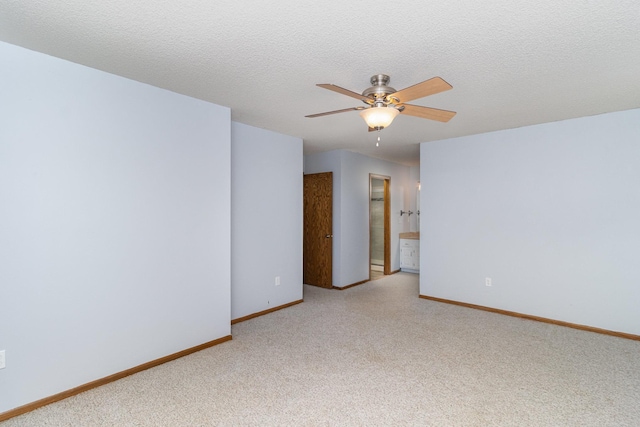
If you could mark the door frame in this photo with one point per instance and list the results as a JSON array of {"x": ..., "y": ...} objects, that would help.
[{"x": 387, "y": 222}]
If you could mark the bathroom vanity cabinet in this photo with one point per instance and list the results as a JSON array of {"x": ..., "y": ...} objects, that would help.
[{"x": 410, "y": 252}]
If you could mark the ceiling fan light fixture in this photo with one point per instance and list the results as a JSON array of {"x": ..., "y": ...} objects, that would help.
[{"x": 379, "y": 117}]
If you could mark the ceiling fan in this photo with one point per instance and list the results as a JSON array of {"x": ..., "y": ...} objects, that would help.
[{"x": 384, "y": 103}]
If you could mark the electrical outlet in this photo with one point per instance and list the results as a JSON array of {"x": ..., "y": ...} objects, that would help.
[
  {"x": 487, "y": 281},
  {"x": 277, "y": 280},
  {"x": 2, "y": 361}
]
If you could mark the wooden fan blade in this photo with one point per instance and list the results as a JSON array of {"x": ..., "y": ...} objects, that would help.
[
  {"x": 344, "y": 92},
  {"x": 420, "y": 90},
  {"x": 335, "y": 112},
  {"x": 428, "y": 113}
]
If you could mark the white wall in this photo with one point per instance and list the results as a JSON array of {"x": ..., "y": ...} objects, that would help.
[
  {"x": 114, "y": 224},
  {"x": 351, "y": 209},
  {"x": 266, "y": 219},
  {"x": 550, "y": 212}
]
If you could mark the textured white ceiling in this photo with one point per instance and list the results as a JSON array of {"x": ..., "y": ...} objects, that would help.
[{"x": 511, "y": 62}]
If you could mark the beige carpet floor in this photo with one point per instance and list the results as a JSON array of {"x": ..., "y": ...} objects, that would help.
[{"x": 376, "y": 355}]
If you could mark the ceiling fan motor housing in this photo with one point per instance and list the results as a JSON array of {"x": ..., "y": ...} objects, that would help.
[{"x": 379, "y": 90}]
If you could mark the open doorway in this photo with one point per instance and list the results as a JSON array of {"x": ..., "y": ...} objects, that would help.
[{"x": 379, "y": 226}]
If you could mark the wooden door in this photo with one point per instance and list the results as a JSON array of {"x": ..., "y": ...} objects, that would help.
[{"x": 318, "y": 229}]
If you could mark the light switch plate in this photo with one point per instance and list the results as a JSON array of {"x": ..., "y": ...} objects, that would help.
[{"x": 2, "y": 363}]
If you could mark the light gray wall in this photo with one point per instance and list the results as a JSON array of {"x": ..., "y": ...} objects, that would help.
[
  {"x": 351, "y": 209},
  {"x": 550, "y": 212},
  {"x": 114, "y": 224},
  {"x": 266, "y": 219},
  {"x": 355, "y": 212}
]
